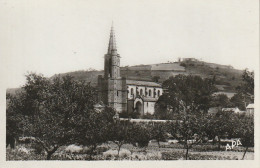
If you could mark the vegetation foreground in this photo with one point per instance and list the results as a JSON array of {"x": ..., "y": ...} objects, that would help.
[{"x": 109, "y": 151}]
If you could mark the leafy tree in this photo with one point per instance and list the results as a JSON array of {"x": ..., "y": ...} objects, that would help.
[
  {"x": 221, "y": 125},
  {"x": 221, "y": 100},
  {"x": 244, "y": 129},
  {"x": 54, "y": 110},
  {"x": 188, "y": 131},
  {"x": 13, "y": 119},
  {"x": 246, "y": 88},
  {"x": 119, "y": 133},
  {"x": 238, "y": 101},
  {"x": 159, "y": 132},
  {"x": 192, "y": 92},
  {"x": 96, "y": 130},
  {"x": 162, "y": 111},
  {"x": 139, "y": 134}
]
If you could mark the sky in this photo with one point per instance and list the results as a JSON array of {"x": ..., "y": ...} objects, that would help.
[{"x": 51, "y": 37}]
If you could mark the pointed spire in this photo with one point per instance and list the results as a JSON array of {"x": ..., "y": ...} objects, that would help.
[{"x": 112, "y": 42}]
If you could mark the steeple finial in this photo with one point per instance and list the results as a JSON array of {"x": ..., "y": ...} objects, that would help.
[{"x": 112, "y": 41}]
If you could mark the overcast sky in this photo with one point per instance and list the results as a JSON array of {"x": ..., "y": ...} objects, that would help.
[{"x": 57, "y": 36}]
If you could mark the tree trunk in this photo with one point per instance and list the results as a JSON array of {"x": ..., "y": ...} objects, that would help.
[
  {"x": 119, "y": 147},
  {"x": 213, "y": 140},
  {"x": 92, "y": 151},
  {"x": 49, "y": 155},
  {"x": 50, "y": 152},
  {"x": 244, "y": 153},
  {"x": 218, "y": 143},
  {"x": 187, "y": 151}
]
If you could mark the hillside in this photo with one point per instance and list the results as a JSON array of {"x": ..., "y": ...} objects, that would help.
[{"x": 227, "y": 78}]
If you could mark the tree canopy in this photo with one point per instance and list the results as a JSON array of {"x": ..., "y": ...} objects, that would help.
[
  {"x": 191, "y": 92},
  {"x": 53, "y": 110}
]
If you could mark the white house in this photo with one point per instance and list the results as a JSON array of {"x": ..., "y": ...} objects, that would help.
[{"x": 250, "y": 109}]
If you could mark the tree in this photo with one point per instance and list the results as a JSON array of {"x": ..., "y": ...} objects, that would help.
[
  {"x": 13, "y": 119},
  {"x": 162, "y": 111},
  {"x": 221, "y": 125},
  {"x": 238, "y": 101},
  {"x": 139, "y": 134},
  {"x": 96, "y": 130},
  {"x": 159, "y": 132},
  {"x": 244, "y": 129},
  {"x": 221, "y": 100},
  {"x": 54, "y": 109},
  {"x": 118, "y": 133},
  {"x": 193, "y": 92},
  {"x": 188, "y": 131},
  {"x": 246, "y": 88}
]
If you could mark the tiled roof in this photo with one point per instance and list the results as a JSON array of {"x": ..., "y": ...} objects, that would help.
[
  {"x": 150, "y": 99},
  {"x": 142, "y": 83},
  {"x": 250, "y": 106}
]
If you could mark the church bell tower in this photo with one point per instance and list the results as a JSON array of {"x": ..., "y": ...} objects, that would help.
[
  {"x": 112, "y": 88},
  {"x": 112, "y": 58}
]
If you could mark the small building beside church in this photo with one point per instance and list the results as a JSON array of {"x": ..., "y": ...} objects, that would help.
[{"x": 122, "y": 94}]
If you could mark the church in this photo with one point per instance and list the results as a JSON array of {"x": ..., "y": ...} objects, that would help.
[{"x": 122, "y": 94}]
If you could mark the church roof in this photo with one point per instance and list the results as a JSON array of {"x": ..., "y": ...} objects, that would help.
[
  {"x": 142, "y": 83},
  {"x": 150, "y": 99}
]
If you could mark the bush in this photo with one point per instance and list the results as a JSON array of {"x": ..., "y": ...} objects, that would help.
[
  {"x": 19, "y": 154},
  {"x": 138, "y": 156},
  {"x": 210, "y": 157},
  {"x": 154, "y": 156},
  {"x": 172, "y": 156},
  {"x": 73, "y": 149},
  {"x": 23, "y": 150},
  {"x": 102, "y": 148},
  {"x": 113, "y": 154},
  {"x": 180, "y": 156}
]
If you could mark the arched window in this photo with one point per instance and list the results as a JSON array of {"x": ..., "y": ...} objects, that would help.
[
  {"x": 150, "y": 92},
  {"x": 132, "y": 91},
  {"x": 141, "y": 92},
  {"x": 159, "y": 93}
]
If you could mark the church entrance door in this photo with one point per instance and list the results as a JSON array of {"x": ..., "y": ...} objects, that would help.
[{"x": 139, "y": 108}]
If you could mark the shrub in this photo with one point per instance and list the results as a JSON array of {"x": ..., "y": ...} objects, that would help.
[
  {"x": 138, "y": 156},
  {"x": 23, "y": 150},
  {"x": 113, "y": 154},
  {"x": 102, "y": 148},
  {"x": 73, "y": 149},
  {"x": 172, "y": 155},
  {"x": 154, "y": 156},
  {"x": 18, "y": 154}
]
